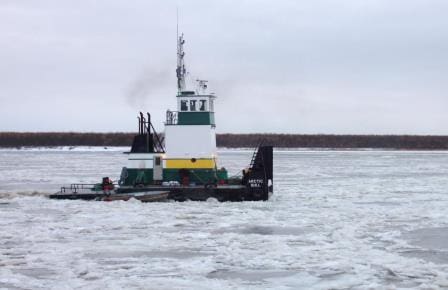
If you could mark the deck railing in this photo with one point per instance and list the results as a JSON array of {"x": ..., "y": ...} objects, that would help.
[
  {"x": 78, "y": 188},
  {"x": 171, "y": 117}
]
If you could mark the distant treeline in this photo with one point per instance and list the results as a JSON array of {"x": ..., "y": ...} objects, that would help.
[
  {"x": 405, "y": 142},
  {"x": 13, "y": 139}
]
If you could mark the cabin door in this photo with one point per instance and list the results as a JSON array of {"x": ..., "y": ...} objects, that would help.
[{"x": 158, "y": 168}]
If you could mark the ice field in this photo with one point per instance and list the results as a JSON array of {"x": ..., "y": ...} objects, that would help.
[{"x": 337, "y": 220}]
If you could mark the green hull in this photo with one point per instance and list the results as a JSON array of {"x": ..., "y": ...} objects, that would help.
[{"x": 132, "y": 177}]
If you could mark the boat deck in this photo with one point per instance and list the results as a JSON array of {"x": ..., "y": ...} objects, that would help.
[
  {"x": 150, "y": 196},
  {"x": 158, "y": 193}
]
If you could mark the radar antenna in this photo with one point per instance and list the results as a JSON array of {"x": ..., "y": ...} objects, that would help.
[{"x": 202, "y": 86}]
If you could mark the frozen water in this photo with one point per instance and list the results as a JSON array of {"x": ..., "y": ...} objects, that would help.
[{"x": 337, "y": 220}]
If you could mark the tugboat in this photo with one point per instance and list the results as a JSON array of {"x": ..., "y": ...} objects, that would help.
[{"x": 183, "y": 164}]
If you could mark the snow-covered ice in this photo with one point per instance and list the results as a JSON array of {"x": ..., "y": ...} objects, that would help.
[{"x": 337, "y": 220}]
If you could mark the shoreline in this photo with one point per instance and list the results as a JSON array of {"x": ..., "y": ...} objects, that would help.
[
  {"x": 315, "y": 142},
  {"x": 221, "y": 149}
]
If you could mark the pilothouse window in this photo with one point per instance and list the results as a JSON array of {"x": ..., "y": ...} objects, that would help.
[
  {"x": 184, "y": 105},
  {"x": 202, "y": 105},
  {"x": 193, "y": 105}
]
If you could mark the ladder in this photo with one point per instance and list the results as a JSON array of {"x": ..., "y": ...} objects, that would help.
[{"x": 254, "y": 155}]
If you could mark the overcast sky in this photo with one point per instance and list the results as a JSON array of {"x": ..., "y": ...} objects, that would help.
[{"x": 339, "y": 67}]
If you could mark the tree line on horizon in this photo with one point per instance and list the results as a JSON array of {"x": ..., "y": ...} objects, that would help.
[{"x": 405, "y": 142}]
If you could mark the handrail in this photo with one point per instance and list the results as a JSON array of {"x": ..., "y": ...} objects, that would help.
[
  {"x": 78, "y": 187},
  {"x": 171, "y": 117}
]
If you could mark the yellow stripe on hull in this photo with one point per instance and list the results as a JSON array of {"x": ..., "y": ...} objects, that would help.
[{"x": 190, "y": 163}]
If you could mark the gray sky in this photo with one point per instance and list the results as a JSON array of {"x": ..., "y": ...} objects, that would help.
[{"x": 339, "y": 67}]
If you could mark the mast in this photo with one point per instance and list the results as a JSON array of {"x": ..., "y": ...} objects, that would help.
[{"x": 180, "y": 70}]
